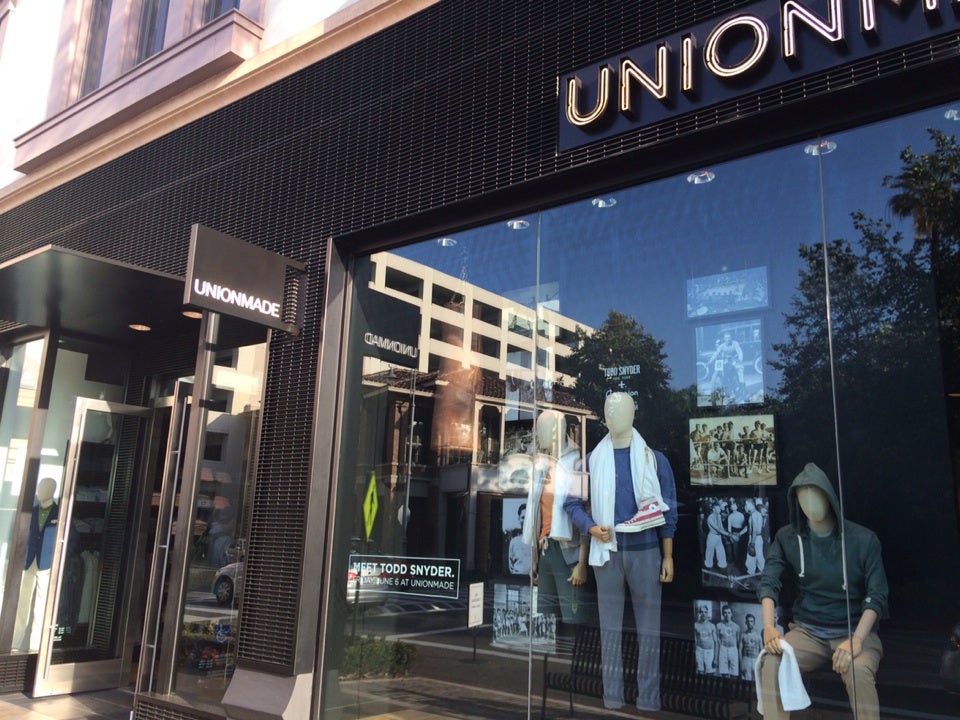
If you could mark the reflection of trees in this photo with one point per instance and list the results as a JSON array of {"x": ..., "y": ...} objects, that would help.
[
  {"x": 662, "y": 414},
  {"x": 621, "y": 356},
  {"x": 928, "y": 188},
  {"x": 893, "y": 327}
]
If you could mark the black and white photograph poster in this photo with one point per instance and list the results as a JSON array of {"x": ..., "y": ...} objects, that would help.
[
  {"x": 733, "y": 450},
  {"x": 519, "y": 554},
  {"x": 730, "y": 363},
  {"x": 734, "y": 536},
  {"x": 727, "y": 637},
  {"x": 733, "y": 291},
  {"x": 516, "y": 622}
]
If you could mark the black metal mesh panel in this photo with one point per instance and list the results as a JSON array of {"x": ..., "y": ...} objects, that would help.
[
  {"x": 13, "y": 673},
  {"x": 450, "y": 106},
  {"x": 149, "y": 709}
]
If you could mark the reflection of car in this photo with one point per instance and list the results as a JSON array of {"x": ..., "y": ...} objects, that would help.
[
  {"x": 365, "y": 580},
  {"x": 225, "y": 582}
]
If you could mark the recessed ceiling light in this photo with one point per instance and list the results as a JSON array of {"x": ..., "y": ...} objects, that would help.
[
  {"x": 824, "y": 147},
  {"x": 139, "y": 327},
  {"x": 192, "y": 314},
  {"x": 701, "y": 177},
  {"x": 603, "y": 202},
  {"x": 518, "y": 224}
]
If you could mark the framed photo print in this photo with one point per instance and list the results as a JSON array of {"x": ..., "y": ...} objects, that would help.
[
  {"x": 518, "y": 554},
  {"x": 733, "y": 450},
  {"x": 516, "y": 622},
  {"x": 727, "y": 292},
  {"x": 727, "y": 638},
  {"x": 734, "y": 535},
  {"x": 729, "y": 363}
]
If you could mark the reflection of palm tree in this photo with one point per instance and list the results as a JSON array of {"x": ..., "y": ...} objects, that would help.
[{"x": 927, "y": 189}]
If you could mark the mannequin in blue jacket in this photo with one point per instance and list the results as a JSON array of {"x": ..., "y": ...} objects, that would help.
[{"x": 36, "y": 567}]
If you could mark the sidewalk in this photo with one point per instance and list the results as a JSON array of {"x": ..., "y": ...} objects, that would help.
[{"x": 101, "y": 705}]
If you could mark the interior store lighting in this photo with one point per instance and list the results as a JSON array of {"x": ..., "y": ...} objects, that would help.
[
  {"x": 518, "y": 224},
  {"x": 603, "y": 202},
  {"x": 824, "y": 147},
  {"x": 139, "y": 327},
  {"x": 701, "y": 177},
  {"x": 192, "y": 314}
]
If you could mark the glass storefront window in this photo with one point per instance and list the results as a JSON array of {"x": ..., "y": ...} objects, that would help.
[
  {"x": 206, "y": 654},
  {"x": 791, "y": 314},
  {"x": 19, "y": 381},
  {"x": 78, "y": 373}
]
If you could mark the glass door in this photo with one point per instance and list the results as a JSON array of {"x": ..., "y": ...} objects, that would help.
[
  {"x": 166, "y": 468},
  {"x": 85, "y": 641}
]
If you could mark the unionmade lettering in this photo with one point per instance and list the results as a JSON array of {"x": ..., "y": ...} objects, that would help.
[
  {"x": 394, "y": 346},
  {"x": 229, "y": 296}
]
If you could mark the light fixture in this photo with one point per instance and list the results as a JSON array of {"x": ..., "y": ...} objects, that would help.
[
  {"x": 518, "y": 224},
  {"x": 139, "y": 327},
  {"x": 192, "y": 314},
  {"x": 603, "y": 202},
  {"x": 824, "y": 147},
  {"x": 446, "y": 242},
  {"x": 952, "y": 114},
  {"x": 701, "y": 177}
]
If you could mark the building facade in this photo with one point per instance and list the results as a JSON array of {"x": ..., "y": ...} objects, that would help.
[{"x": 497, "y": 221}]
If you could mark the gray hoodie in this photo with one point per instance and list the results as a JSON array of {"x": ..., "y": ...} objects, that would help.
[{"x": 815, "y": 563}]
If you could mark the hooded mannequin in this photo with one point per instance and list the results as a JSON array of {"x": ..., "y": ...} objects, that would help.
[
  {"x": 811, "y": 548},
  {"x": 623, "y": 472},
  {"x": 35, "y": 579}
]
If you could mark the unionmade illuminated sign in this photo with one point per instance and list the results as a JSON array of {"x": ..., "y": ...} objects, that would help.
[
  {"x": 233, "y": 277},
  {"x": 768, "y": 43}
]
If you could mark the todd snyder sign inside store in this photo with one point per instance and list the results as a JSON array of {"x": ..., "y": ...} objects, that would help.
[
  {"x": 763, "y": 45},
  {"x": 232, "y": 277}
]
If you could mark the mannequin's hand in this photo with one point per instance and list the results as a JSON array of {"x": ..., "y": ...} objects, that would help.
[
  {"x": 771, "y": 640},
  {"x": 600, "y": 532},
  {"x": 579, "y": 574},
  {"x": 844, "y": 654},
  {"x": 666, "y": 570}
]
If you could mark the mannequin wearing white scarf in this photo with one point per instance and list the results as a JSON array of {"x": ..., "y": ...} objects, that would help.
[
  {"x": 622, "y": 468},
  {"x": 618, "y": 414}
]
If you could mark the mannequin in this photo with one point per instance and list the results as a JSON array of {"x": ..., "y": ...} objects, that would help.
[
  {"x": 811, "y": 546},
  {"x": 560, "y": 565},
  {"x": 35, "y": 579},
  {"x": 624, "y": 471}
]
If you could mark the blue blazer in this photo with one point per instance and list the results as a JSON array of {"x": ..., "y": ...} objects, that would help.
[{"x": 40, "y": 541}]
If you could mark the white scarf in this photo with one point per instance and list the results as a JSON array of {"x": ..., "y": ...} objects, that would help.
[
  {"x": 793, "y": 696},
  {"x": 603, "y": 488}
]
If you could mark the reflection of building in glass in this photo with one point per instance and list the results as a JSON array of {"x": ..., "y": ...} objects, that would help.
[{"x": 486, "y": 367}]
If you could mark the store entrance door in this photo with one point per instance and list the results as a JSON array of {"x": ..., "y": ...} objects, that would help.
[
  {"x": 166, "y": 469},
  {"x": 86, "y": 641}
]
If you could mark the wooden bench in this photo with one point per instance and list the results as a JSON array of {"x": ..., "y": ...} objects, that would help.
[{"x": 682, "y": 689}]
